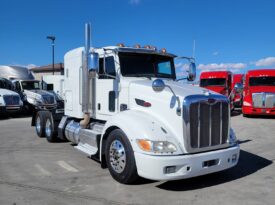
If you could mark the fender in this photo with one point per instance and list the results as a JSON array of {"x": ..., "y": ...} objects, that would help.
[{"x": 137, "y": 125}]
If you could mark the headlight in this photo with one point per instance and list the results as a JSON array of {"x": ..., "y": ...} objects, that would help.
[
  {"x": 156, "y": 146},
  {"x": 232, "y": 137},
  {"x": 245, "y": 103}
]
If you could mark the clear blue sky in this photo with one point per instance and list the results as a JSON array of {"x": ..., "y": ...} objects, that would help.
[{"x": 233, "y": 34}]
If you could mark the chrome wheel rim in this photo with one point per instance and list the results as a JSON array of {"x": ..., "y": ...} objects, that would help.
[
  {"x": 37, "y": 125},
  {"x": 117, "y": 156},
  {"x": 48, "y": 128}
]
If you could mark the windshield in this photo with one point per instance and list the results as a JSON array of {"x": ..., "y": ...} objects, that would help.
[
  {"x": 146, "y": 65},
  {"x": 5, "y": 84},
  {"x": 262, "y": 81},
  {"x": 212, "y": 82},
  {"x": 30, "y": 85}
]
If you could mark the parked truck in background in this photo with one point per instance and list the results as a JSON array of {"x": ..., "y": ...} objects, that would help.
[
  {"x": 55, "y": 85},
  {"x": 124, "y": 108},
  {"x": 259, "y": 92},
  {"x": 220, "y": 82},
  {"x": 33, "y": 97},
  {"x": 10, "y": 102},
  {"x": 238, "y": 96}
]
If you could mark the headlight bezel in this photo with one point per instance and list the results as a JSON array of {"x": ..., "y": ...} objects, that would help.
[{"x": 156, "y": 147}]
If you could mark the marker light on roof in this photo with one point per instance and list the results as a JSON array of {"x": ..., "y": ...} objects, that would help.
[
  {"x": 137, "y": 46},
  {"x": 120, "y": 45},
  {"x": 163, "y": 50},
  {"x": 147, "y": 47}
]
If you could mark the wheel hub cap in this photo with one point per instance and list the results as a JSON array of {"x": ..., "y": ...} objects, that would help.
[
  {"x": 117, "y": 156},
  {"x": 48, "y": 128},
  {"x": 37, "y": 125}
]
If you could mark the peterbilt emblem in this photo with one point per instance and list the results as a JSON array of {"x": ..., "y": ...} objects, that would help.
[{"x": 206, "y": 92}]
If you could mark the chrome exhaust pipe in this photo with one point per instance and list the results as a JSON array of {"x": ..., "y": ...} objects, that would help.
[{"x": 85, "y": 78}]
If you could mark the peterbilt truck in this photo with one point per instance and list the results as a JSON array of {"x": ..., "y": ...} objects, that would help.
[
  {"x": 259, "y": 92},
  {"x": 125, "y": 109},
  {"x": 10, "y": 102},
  {"x": 221, "y": 82}
]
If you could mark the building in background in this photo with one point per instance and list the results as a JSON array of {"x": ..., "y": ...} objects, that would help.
[{"x": 38, "y": 72}]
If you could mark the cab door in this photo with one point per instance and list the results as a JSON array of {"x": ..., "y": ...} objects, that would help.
[{"x": 106, "y": 89}]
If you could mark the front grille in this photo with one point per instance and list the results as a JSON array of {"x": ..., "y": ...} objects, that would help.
[
  {"x": 263, "y": 100},
  {"x": 11, "y": 100},
  {"x": 48, "y": 99},
  {"x": 206, "y": 121}
]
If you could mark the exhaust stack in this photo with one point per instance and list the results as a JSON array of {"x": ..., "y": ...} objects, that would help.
[{"x": 85, "y": 79}]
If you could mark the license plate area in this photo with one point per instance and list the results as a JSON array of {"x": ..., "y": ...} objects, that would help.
[{"x": 210, "y": 163}]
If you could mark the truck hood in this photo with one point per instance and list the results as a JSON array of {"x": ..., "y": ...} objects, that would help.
[
  {"x": 181, "y": 89},
  {"x": 36, "y": 93},
  {"x": 262, "y": 89},
  {"x": 7, "y": 92},
  {"x": 217, "y": 89}
]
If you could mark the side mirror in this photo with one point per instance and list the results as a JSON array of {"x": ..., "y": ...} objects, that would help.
[
  {"x": 191, "y": 72},
  {"x": 158, "y": 85},
  {"x": 93, "y": 62},
  {"x": 238, "y": 87}
]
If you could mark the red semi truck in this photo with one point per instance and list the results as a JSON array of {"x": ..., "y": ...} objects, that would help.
[
  {"x": 218, "y": 81},
  {"x": 238, "y": 97},
  {"x": 259, "y": 92}
]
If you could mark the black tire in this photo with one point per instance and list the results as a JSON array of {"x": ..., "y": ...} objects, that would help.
[
  {"x": 40, "y": 123},
  {"x": 50, "y": 128},
  {"x": 128, "y": 174}
]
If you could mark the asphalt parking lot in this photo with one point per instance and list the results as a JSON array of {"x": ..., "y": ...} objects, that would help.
[{"x": 32, "y": 171}]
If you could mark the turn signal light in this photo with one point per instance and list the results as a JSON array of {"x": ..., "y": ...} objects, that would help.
[{"x": 144, "y": 145}]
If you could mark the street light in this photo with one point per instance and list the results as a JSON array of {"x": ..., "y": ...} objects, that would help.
[{"x": 52, "y": 38}]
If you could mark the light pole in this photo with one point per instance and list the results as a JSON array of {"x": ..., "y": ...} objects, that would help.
[{"x": 52, "y": 38}]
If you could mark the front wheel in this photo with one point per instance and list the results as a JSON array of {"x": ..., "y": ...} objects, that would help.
[{"x": 120, "y": 158}]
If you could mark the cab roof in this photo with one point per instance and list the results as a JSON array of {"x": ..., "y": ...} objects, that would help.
[{"x": 261, "y": 72}]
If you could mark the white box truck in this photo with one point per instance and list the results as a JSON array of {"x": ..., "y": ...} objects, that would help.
[{"x": 124, "y": 108}]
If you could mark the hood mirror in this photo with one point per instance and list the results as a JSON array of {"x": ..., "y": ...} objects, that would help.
[
  {"x": 158, "y": 85},
  {"x": 191, "y": 71},
  {"x": 93, "y": 62}
]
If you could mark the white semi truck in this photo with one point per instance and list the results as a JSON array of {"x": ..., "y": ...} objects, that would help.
[
  {"x": 124, "y": 108},
  {"x": 10, "y": 102}
]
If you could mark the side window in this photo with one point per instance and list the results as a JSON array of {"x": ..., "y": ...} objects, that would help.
[
  {"x": 17, "y": 87},
  {"x": 109, "y": 67},
  {"x": 164, "y": 68}
]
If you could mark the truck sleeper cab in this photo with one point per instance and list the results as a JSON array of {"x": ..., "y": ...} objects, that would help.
[
  {"x": 259, "y": 92},
  {"x": 125, "y": 109}
]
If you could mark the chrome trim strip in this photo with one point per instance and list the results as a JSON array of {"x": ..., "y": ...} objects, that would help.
[
  {"x": 221, "y": 123},
  {"x": 199, "y": 126}
]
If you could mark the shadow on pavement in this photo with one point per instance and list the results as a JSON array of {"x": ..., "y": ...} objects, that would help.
[
  {"x": 248, "y": 164},
  {"x": 236, "y": 112},
  {"x": 243, "y": 141}
]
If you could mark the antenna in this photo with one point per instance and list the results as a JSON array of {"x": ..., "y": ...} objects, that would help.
[{"x": 194, "y": 47}]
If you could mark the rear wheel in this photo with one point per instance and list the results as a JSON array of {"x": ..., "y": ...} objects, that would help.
[
  {"x": 120, "y": 158},
  {"x": 40, "y": 124},
  {"x": 50, "y": 129}
]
